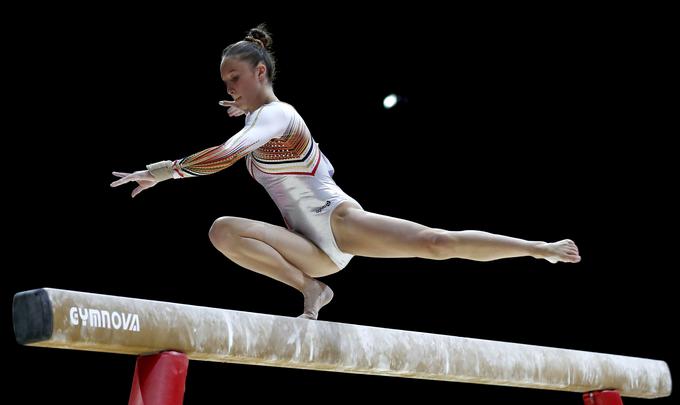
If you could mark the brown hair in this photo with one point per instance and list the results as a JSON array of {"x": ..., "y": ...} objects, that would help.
[{"x": 254, "y": 48}]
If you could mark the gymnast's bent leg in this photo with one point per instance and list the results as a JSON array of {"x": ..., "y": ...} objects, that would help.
[{"x": 276, "y": 252}]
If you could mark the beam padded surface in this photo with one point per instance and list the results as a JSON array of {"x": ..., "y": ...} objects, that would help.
[{"x": 85, "y": 321}]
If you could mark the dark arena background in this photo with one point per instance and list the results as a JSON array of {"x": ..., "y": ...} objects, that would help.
[{"x": 542, "y": 124}]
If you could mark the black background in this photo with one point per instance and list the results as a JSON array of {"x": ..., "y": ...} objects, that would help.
[{"x": 538, "y": 123}]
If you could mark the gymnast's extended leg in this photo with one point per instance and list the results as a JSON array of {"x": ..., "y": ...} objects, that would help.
[{"x": 373, "y": 235}]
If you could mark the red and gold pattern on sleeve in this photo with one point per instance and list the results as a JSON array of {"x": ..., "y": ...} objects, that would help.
[
  {"x": 267, "y": 123},
  {"x": 293, "y": 153}
]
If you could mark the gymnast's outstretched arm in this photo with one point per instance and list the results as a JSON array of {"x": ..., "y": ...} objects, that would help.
[{"x": 268, "y": 122}]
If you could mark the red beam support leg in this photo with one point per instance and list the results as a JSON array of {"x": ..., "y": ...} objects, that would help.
[
  {"x": 159, "y": 379},
  {"x": 607, "y": 397}
]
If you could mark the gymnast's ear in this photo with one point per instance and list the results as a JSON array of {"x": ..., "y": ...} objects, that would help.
[{"x": 261, "y": 71}]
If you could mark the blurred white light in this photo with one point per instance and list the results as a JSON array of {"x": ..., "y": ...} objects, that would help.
[{"x": 390, "y": 101}]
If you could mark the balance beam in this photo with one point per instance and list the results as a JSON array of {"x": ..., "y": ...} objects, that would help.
[{"x": 83, "y": 321}]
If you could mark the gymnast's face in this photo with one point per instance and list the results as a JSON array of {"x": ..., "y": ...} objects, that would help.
[{"x": 245, "y": 84}]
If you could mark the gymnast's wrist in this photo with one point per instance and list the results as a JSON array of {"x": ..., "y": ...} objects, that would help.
[{"x": 161, "y": 171}]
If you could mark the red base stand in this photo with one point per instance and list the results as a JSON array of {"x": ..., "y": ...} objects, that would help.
[
  {"x": 602, "y": 398},
  {"x": 159, "y": 379}
]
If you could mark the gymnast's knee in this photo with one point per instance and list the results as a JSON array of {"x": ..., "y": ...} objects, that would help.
[
  {"x": 440, "y": 244},
  {"x": 224, "y": 233}
]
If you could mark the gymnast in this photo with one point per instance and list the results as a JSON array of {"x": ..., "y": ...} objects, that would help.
[{"x": 325, "y": 227}]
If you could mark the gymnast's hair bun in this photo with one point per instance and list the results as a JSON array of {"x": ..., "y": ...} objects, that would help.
[{"x": 260, "y": 36}]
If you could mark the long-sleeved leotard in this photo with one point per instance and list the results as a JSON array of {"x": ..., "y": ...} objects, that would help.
[
  {"x": 283, "y": 157},
  {"x": 262, "y": 126}
]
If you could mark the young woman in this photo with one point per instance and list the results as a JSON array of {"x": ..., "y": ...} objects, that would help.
[{"x": 325, "y": 226}]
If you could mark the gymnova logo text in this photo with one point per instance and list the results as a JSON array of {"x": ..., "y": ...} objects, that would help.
[{"x": 99, "y": 318}]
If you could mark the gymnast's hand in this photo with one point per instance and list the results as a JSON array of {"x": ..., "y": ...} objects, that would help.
[
  {"x": 142, "y": 177},
  {"x": 233, "y": 111}
]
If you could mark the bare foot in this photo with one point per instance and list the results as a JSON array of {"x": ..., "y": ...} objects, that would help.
[
  {"x": 317, "y": 294},
  {"x": 562, "y": 251}
]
